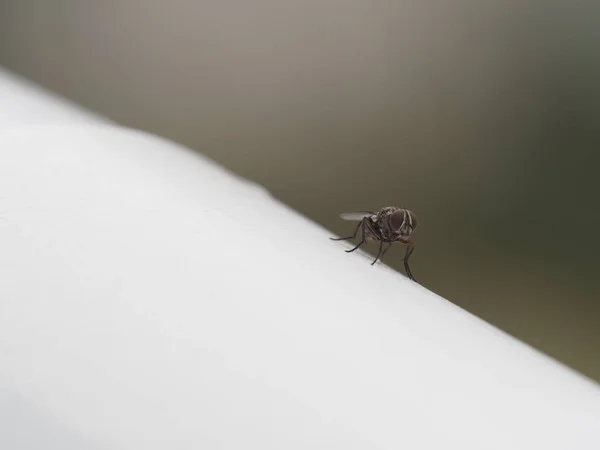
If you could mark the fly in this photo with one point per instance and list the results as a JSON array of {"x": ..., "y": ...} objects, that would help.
[{"x": 388, "y": 226}]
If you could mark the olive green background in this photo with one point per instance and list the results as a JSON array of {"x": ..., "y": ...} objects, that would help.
[{"x": 482, "y": 117}]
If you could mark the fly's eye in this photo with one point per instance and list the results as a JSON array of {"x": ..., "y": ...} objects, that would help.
[
  {"x": 413, "y": 219},
  {"x": 396, "y": 220}
]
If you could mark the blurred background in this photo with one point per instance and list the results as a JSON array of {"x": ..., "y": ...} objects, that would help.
[{"x": 481, "y": 117}]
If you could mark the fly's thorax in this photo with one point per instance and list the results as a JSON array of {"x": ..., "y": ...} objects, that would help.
[
  {"x": 382, "y": 221},
  {"x": 372, "y": 229}
]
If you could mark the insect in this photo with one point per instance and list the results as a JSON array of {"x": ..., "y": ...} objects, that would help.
[{"x": 388, "y": 226}]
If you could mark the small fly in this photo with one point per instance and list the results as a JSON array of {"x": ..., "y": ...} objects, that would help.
[{"x": 388, "y": 226}]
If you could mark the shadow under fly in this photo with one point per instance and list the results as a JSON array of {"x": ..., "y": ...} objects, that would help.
[{"x": 388, "y": 226}]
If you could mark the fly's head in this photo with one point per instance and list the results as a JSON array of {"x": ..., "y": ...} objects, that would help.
[{"x": 403, "y": 222}]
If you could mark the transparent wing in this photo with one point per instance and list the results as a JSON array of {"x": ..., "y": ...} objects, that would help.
[{"x": 356, "y": 215}]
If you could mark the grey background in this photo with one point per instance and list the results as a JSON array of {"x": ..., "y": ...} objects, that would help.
[{"x": 482, "y": 117}]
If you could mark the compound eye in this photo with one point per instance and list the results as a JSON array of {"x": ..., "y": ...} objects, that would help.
[
  {"x": 396, "y": 220},
  {"x": 413, "y": 220}
]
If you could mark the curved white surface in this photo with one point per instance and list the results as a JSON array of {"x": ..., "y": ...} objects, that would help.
[
  {"x": 149, "y": 299},
  {"x": 25, "y": 104}
]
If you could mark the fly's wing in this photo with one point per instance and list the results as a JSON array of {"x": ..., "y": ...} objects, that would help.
[{"x": 356, "y": 215}]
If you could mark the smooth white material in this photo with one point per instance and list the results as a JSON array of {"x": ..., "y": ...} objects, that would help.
[
  {"x": 25, "y": 104},
  {"x": 149, "y": 299}
]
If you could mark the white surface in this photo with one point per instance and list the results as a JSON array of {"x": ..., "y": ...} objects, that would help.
[
  {"x": 25, "y": 104},
  {"x": 150, "y": 300}
]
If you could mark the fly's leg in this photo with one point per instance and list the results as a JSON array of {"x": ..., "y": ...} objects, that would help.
[
  {"x": 349, "y": 237},
  {"x": 362, "y": 241},
  {"x": 410, "y": 247},
  {"x": 388, "y": 247},
  {"x": 379, "y": 255}
]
